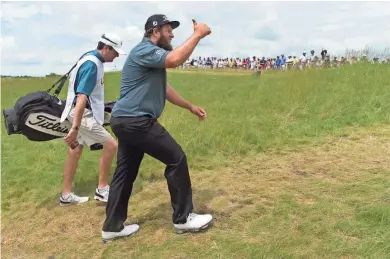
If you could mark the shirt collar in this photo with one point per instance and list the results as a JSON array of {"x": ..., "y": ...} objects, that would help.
[
  {"x": 146, "y": 39},
  {"x": 97, "y": 54}
]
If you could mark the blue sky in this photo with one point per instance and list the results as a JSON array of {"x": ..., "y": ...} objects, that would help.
[{"x": 38, "y": 38}]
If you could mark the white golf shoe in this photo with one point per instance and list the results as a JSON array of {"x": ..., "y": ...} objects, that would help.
[
  {"x": 102, "y": 194},
  {"x": 126, "y": 231},
  {"x": 194, "y": 223},
  {"x": 72, "y": 199}
]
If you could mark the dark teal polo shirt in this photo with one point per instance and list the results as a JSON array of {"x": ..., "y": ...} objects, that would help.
[{"x": 143, "y": 82}]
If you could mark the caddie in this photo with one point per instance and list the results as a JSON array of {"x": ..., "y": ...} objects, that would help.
[{"x": 85, "y": 111}]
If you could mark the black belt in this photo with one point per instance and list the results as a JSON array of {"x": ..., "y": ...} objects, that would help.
[{"x": 137, "y": 117}]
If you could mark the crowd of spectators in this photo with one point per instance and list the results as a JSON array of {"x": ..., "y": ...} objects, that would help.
[{"x": 282, "y": 62}]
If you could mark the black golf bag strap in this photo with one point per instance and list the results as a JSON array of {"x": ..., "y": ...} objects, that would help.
[
  {"x": 63, "y": 79},
  {"x": 61, "y": 82}
]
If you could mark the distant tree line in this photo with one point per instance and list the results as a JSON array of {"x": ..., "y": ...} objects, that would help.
[{"x": 25, "y": 76}]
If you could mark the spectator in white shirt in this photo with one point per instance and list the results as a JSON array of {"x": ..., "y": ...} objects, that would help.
[{"x": 302, "y": 61}]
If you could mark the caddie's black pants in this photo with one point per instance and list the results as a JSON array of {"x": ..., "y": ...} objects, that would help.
[{"x": 137, "y": 136}]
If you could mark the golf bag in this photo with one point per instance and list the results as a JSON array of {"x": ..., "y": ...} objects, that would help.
[{"x": 37, "y": 115}]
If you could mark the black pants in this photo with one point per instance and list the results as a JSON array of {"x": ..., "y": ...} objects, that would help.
[{"x": 137, "y": 136}]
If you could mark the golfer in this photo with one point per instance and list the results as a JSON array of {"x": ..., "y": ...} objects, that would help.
[{"x": 134, "y": 121}]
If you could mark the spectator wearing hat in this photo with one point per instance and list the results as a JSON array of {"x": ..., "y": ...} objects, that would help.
[
  {"x": 283, "y": 62},
  {"x": 302, "y": 60},
  {"x": 277, "y": 62},
  {"x": 290, "y": 62}
]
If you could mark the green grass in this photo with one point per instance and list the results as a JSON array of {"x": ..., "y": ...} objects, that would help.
[{"x": 292, "y": 165}]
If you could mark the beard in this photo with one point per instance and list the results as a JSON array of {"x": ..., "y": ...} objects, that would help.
[{"x": 164, "y": 44}]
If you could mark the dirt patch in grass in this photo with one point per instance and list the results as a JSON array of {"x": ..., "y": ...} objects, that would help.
[{"x": 259, "y": 201}]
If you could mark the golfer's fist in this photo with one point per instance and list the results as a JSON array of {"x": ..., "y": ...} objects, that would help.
[{"x": 201, "y": 29}]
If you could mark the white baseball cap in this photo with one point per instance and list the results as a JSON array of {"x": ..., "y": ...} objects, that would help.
[{"x": 113, "y": 40}]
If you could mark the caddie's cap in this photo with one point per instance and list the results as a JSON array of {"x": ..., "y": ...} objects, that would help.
[{"x": 113, "y": 40}]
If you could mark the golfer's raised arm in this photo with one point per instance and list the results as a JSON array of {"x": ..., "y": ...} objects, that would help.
[{"x": 179, "y": 55}]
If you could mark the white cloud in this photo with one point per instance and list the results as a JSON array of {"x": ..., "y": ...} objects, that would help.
[
  {"x": 349, "y": 24},
  {"x": 12, "y": 12},
  {"x": 375, "y": 9},
  {"x": 359, "y": 9},
  {"x": 329, "y": 27},
  {"x": 7, "y": 42},
  {"x": 26, "y": 56},
  {"x": 59, "y": 32}
]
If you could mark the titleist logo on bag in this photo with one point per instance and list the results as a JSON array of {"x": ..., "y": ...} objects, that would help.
[{"x": 47, "y": 123}]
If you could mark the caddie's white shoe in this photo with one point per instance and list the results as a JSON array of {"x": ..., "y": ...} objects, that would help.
[
  {"x": 194, "y": 223},
  {"x": 102, "y": 194},
  {"x": 126, "y": 231},
  {"x": 72, "y": 199}
]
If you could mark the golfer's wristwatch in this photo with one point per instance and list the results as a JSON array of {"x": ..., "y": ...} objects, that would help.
[{"x": 75, "y": 128}]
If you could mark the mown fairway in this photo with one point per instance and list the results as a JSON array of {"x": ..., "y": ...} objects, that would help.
[{"x": 291, "y": 165}]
